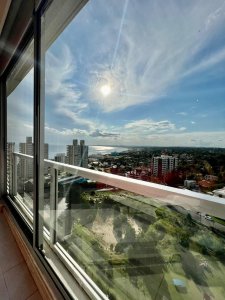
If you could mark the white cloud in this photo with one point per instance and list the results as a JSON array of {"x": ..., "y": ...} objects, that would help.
[
  {"x": 79, "y": 133},
  {"x": 150, "y": 125},
  {"x": 66, "y": 131},
  {"x": 98, "y": 133},
  {"x": 65, "y": 96},
  {"x": 193, "y": 122},
  {"x": 182, "y": 113},
  {"x": 210, "y": 61},
  {"x": 142, "y": 133}
]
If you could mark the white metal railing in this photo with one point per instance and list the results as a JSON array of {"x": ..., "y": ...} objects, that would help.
[{"x": 208, "y": 204}]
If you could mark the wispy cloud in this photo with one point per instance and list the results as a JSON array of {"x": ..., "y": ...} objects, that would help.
[
  {"x": 76, "y": 132},
  {"x": 208, "y": 62},
  {"x": 182, "y": 113},
  {"x": 154, "y": 55},
  {"x": 60, "y": 86},
  {"x": 66, "y": 131}
]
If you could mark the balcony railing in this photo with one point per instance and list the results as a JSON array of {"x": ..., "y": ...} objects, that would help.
[{"x": 124, "y": 238}]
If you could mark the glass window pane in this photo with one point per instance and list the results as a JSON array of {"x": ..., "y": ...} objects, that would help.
[
  {"x": 20, "y": 132},
  {"x": 130, "y": 90}
]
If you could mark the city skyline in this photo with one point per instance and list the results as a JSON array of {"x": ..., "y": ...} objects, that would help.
[{"x": 155, "y": 78}]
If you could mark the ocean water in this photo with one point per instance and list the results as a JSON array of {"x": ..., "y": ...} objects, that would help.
[
  {"x": 54, "y": 149},
  {"x": 105, "y": 149}
]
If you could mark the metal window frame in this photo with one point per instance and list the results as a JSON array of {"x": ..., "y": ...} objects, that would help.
[
  {"x": 3, "y": 137},
  {"x": 39, "y": 110},
  {"x": 38, "y": 134}
]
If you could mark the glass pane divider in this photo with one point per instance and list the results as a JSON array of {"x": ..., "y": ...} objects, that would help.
[
  {"x": 14, "y": 174},
  {"x": 38, "y": 122},
  {"x": 53, "y": 204},
  {"x": 81, "y": 276}
]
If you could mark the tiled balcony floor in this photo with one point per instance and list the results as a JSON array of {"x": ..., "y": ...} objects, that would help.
[{"x": 16, "y": 282}]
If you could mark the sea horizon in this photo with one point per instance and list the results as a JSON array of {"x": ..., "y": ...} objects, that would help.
[{"x": 93, "y": 149}]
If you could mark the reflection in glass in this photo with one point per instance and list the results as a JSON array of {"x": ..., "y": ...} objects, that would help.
[
  {"x": 133, "y": 247},
  {"x": 20, "y": 130}
]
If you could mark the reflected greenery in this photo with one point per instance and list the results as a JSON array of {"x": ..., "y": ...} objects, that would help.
[{"x": 135, "y": 254}]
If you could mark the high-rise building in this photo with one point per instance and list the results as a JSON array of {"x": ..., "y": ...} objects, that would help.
[
  {"x": 83, "y": 154},
  {"x": 161, "y": 165},
  {"x": 25, "y": 168},
  {"x": 60, "y": 157},
  {"x": 45, "y": 151},
  {"x": 77, "y": 155}
]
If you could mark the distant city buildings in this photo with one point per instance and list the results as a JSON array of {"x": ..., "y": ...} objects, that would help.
[
  {"x": 25, "y": 166},
  {"x": 60, "y": 157},
  {"x": 153, "y": 166},
  {"x": 161, "y": 165},
  {"x": 77, "y": 155}
]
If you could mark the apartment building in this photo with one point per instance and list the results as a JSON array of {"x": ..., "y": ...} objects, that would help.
[
  {"x": 25, "y": 167},
  {"x": 163, "y": 164},
  {"x": 77, "y": 154}
]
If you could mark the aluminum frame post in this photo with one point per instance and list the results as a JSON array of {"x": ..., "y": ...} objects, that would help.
[
  {"x": 53, "y": 204},
  {"x": 14, "y": 174},
  {"x": 39, "y": 109}
]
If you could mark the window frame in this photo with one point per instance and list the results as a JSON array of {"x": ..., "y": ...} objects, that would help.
[{"x": 35, "y": 237}]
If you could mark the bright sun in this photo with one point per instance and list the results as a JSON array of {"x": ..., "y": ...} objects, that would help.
[{"x": 105, "y": 90}]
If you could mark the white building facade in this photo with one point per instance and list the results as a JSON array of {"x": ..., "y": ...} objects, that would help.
[
  {"x": 25, "y": 167},
  {"x": 77, "y": 155},
  {"x": 161, "y": 165}
]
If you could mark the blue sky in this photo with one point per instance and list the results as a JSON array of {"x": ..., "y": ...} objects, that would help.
[{"x": 135, "y": 73}]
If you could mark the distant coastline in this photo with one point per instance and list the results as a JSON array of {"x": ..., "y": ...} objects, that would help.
[{"x": 54, "y": 149}]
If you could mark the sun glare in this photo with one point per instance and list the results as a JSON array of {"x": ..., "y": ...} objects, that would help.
[{"x": 105, "y": 90}]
